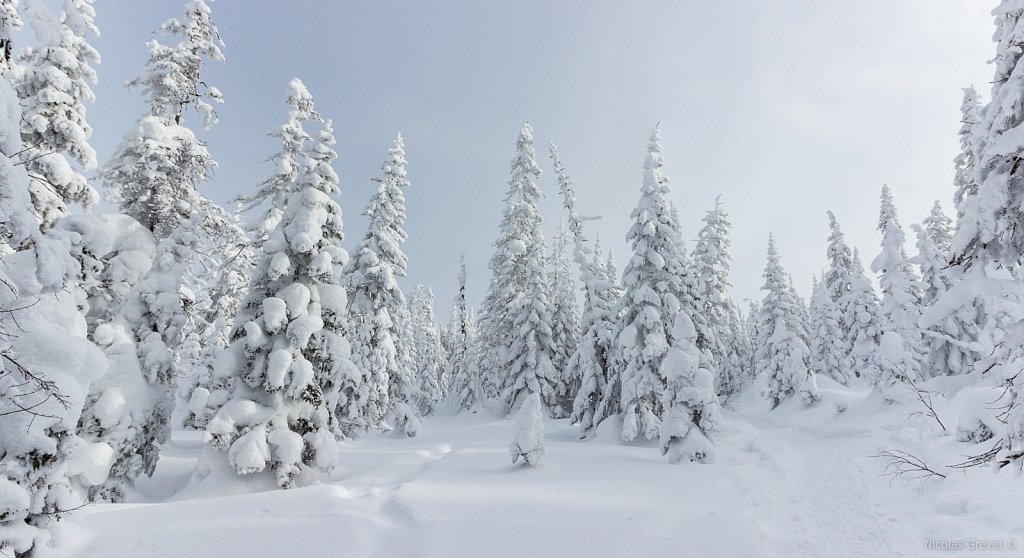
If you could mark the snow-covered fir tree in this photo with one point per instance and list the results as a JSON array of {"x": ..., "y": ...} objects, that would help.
[
  {"x": 377, "y": 305},
  {"x": 528, "y": 365},
  {"x": 429, "y": 358},
  {"x": 782, "y": 356},
  {"x": 987, "y": 245},
  {"x": 290, "y": 368},
  {"x": 54, "y": 88},
  {"x": 589, "y": 367},
  {"x": 153, "y": 175},
  {"x": 711, "y": 262},
  {"x": 827, "y": 345},
  {"x": 945, "y": 353},
  {"x": 657, "y": 284},
  {"x": 837, "y": 282},
  {"x": 46, "y": 361},
  {"x": 691, "y": 409},
  {"x": 273, "y": 191},
  {"x": 154, "y": 171},
  {"x": 519, "y": 223},
  {"x": 965, "y": 180},
  {"x": 566, "y": 319},
  {"x": 465, "y": 387},
  {"x": 861, "y": 304},
  {"x": 901, "y": 286}
]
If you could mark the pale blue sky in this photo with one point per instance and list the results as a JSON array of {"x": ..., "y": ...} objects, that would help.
[{"x": 785, "y": 108}]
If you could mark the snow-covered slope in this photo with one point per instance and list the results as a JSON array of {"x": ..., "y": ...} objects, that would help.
[{"x": 789, "y": 482}]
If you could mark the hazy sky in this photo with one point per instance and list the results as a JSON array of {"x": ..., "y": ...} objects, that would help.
[{"x": 785, "y": 108}]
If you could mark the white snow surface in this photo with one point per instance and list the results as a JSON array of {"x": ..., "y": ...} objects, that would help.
[{"x": 790, "y": 482}]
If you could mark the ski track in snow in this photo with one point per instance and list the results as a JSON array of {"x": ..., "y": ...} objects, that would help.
[{"x": 783, "y": 485}]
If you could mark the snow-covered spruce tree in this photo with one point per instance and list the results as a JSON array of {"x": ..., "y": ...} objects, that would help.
[
  {"x": 288, "y": 162},
  {"x": 828, "y": 357},
  {"x": 940, "y": 229},
  {"x": 518, "y": 231},
  {"x": 589, "y": 366},
  {"x": 837, "y": 282},
  {"x": 739, "y": 348},
  {"x": 377, "y": 304},
  {"x": 153, "y": 175},
  {"x": 691, "y": 410},
  {"x": 657, "y": 284},
  {"x": 566, "y": 326},
  {"x": 988, "y": 245},
  {"x": 945, "y": 351},
  {"x": 54, "y": 87},
  {"x": 965, "y": 179},
  {"x": 528, "y": 437},
  {"x": 901, "y": 286},
  {"x": 863, "y": 307},
  {"x": 233, "y": 259},
  {"x": 286, "y": 357},
  {"x": 46, "y": 362},
  {"x": 465, "y": 389},
  {"x": 711, "y": 262},
  {"x": 527, "y": 362},
  {"x": 430, "y": 360},
  {"x": 782, "y": 356}
]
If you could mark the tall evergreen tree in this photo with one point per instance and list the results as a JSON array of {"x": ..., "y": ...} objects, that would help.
[
  {"x": 988, "y": 245},
  {"x": 657, "y": 283},
  {"x": 279, "y": 413},
  {"x": 378, "y": 305},
  {"x": 46, "y": 361},
  {"x": 782, "y": 356},
  {"x": 518, "y": 232},
  {"x": 466, "y": 390},
  {"x": 53, "y": 89},
  {"x": 153, "y": 175},
  {"x": 828, "y": 356},
  {"x": 528, "y": 361},
  {"x": 589, "y": 366},
  {"x": 862, "y": 304},
  {"x": 288, "y": 162},
  {"x": 711, "y": 262},
  {"x": 430, "y": 360},
  {"x": 837, "y": 282},
  {"x": 965, "y": 181},
  {"x": 566, "y": 318},
  {"x": 901, "y": 287}
]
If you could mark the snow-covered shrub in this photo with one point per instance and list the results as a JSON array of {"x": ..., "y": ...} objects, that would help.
[{"x": 528, "y": 438}]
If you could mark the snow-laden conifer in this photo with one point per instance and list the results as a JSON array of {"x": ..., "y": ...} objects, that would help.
[
  {"x": 901, "y": 286},
  {"x": 520, "y": 224},
  {"x": 655, "y": 280},
  {"x": 861, "y": 303},
  {"x": 466, "y": 389},
  {"x": 711, "y": 263},
  {"x": 782, "y": 356},
  {"x": 429, "y": 358},
  {"x": 279, "y": 414},
  {"x": 827, "y": 346},
  {"x": 691, "y": 409},
  {"x": 566, "y": 317},
  {"x": 589, "y": 367},
  {"x": 54, "y": 88},
  {"x": 377, "y": 304}
]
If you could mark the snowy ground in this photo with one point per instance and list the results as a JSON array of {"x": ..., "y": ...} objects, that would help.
[{"x": 791, "y": 482}]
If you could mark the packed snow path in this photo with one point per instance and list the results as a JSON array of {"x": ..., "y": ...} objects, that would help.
[{"x": 790, "y": 482}]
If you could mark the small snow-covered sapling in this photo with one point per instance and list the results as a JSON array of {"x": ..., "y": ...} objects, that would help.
[{"x": 528, "y": 441}]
